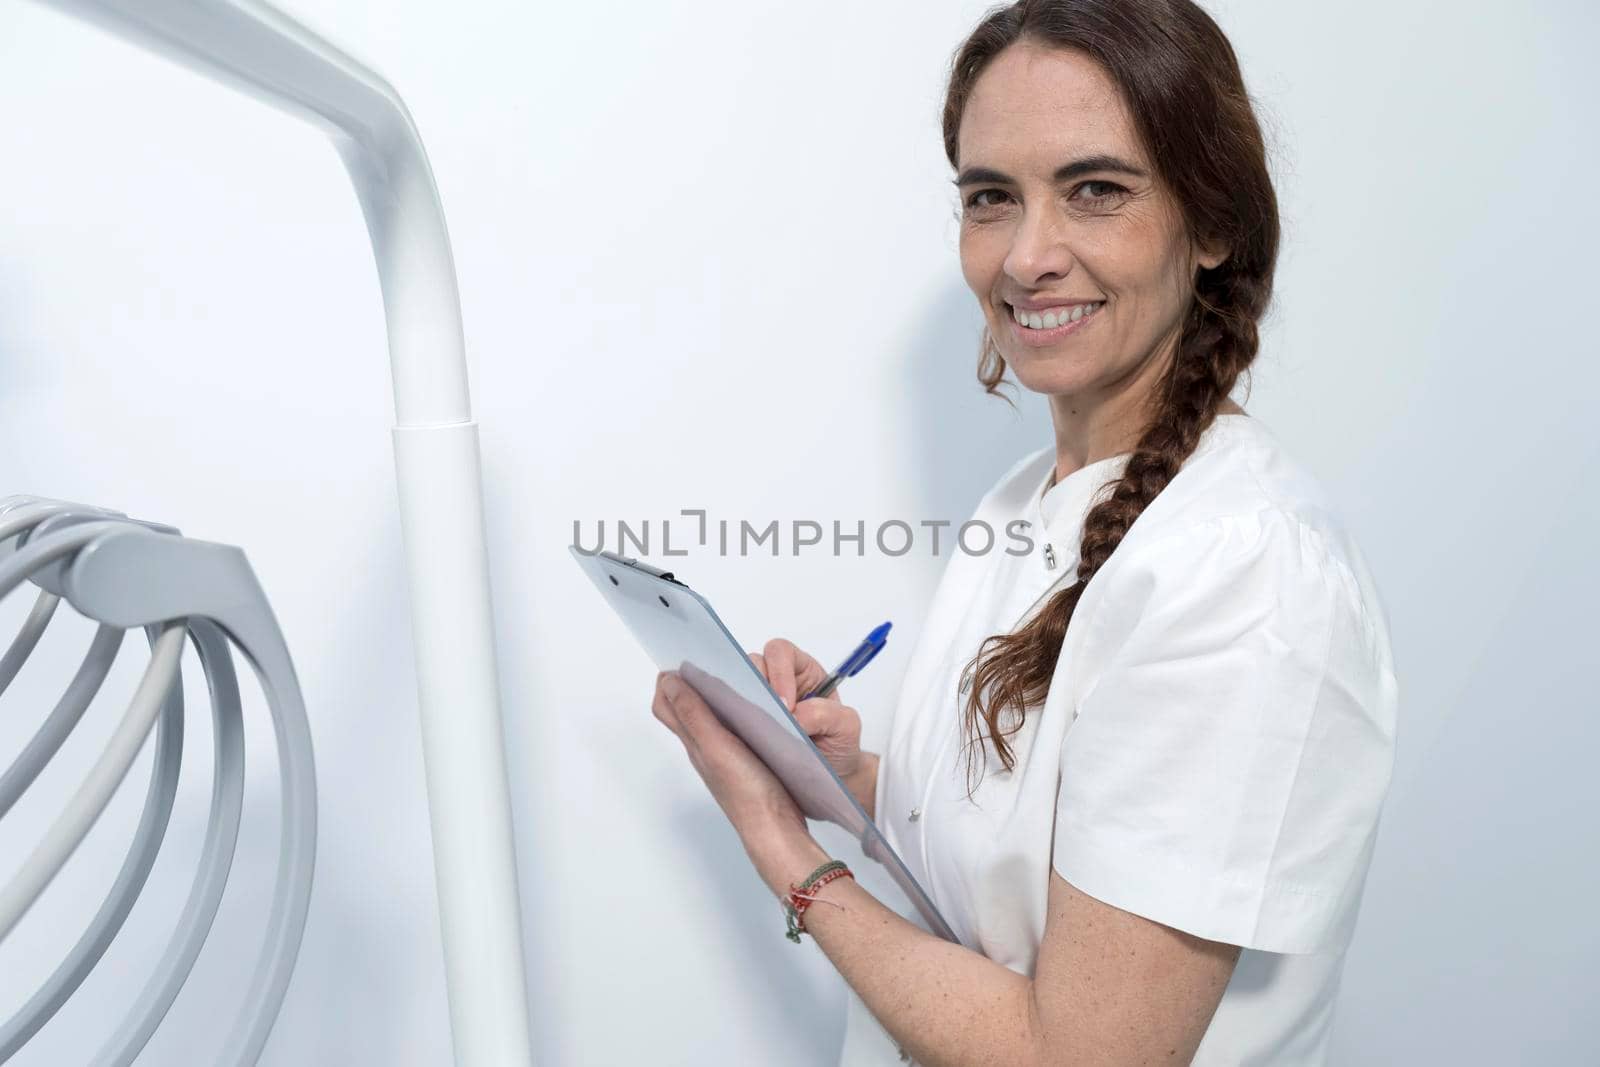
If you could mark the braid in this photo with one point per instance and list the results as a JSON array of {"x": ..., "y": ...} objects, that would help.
[
  {"x": 1014, "y": 670},
  {"x": 1179, "y": 77}
]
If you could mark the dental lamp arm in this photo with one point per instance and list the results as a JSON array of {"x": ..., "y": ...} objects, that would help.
[{"x": 252, "y": 46}]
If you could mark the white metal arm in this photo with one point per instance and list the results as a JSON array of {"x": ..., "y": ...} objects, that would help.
[{"x": 262, "y": 51}]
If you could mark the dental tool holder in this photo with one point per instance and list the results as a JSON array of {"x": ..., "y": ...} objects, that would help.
[{"x": 125, "y": 573}]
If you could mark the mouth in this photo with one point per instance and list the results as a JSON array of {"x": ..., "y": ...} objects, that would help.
[{"x": 1052, "y": 324}]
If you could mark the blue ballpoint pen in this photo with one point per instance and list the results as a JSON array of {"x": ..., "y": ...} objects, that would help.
[{"x": 854, "y": 662}]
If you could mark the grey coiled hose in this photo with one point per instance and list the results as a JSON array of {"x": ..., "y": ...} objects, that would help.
[{"x": 122, "y": 573}]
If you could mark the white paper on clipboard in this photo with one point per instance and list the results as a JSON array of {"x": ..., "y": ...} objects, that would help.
[{"x": 680, "y": 631}]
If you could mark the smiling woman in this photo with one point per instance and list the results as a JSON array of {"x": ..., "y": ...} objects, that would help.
[
  {"x": 1184, "y": 703},
  {"x": 1131, "y": 303}
]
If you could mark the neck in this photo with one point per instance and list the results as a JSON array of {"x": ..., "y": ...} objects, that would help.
[
  {"x": 1092, "y": 426},
  {"x": 1072, "y": 455}
]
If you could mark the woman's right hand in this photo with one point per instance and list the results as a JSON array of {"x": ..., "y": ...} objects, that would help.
[{"x": 832, "y": 726}]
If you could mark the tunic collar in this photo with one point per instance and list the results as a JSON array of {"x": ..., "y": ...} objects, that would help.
[
  {"x": 1059, "y": 509},
  {"x": 1055, "y": 515}
]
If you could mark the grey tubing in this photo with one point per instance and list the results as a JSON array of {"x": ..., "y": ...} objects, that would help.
[
  {"x": 199, "y": 911},
  {"x": 44, "y": 744},
  {"x": 28, "y": 515},
  {"x": 292, "y": 889},
  {"x": 81, "y": 812},
  {"x": 103, "y": 929},
  {"x": 28, "y": 637},
  {"x": 19, "y": 519},
  {"x": 296, "y": 861}
]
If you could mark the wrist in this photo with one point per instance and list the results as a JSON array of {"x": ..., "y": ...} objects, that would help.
[
  {"x": 783, "y": 863},
  {"x": 863, "y": 784}
]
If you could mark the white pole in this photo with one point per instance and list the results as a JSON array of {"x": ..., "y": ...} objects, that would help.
[{"x": 258, "y": 49}]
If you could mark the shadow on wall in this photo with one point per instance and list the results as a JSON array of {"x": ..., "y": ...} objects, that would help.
[
  {"x": 1499, "y": 765},
  {"x": 789, "y": 1000},
  {"x": 963, "y": 439}
]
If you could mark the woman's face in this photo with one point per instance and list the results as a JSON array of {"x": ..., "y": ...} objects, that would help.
[{"x": 1062, "y": 216}]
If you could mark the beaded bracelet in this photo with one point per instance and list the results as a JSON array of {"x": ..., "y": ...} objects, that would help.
[{"x": 802, "y": 896}]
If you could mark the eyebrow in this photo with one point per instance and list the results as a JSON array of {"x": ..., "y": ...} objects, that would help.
[{"x": 1064, "y": 173}]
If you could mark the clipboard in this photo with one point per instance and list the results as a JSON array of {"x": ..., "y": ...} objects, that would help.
[{"x": 680, "y": 631}]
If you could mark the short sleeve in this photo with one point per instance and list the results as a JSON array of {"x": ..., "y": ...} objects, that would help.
[{"x": 1227, "y": 766}]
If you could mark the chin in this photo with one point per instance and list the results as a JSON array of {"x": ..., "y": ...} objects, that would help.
[{"x": 1049, "y": 375}]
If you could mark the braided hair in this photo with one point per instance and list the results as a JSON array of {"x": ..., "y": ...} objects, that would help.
[{"x": 1180, "y": 79}]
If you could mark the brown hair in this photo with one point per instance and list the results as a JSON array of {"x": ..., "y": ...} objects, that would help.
[{"x": 1180, "y": 80}]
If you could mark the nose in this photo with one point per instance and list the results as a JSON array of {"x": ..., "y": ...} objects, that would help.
[{"x": 1039, "y": 251}]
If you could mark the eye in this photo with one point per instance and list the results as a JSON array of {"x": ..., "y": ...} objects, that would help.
[
  {"x": 1113, "y": 190},
  {"x": 972, "y": 201}
]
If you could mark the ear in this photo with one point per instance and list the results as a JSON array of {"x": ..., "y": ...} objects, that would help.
[{"x": 1211, "y": 255}]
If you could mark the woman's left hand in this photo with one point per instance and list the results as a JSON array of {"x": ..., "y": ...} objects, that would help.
[{"x": 755, "y": 801}]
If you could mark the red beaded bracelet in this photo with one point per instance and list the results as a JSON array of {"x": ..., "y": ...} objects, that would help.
[{"x": 802, "y": 896}]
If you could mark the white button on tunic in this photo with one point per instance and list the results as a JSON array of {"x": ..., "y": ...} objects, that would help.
[{"x": 1213, "y": 753}]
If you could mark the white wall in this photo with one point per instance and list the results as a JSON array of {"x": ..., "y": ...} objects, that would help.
[{"x": 707, "y": 260}]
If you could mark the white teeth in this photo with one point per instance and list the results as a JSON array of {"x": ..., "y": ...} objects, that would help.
[{"x": 1054, "y": 317}]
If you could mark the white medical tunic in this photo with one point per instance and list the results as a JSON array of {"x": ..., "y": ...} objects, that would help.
[{"x": 1213, "y": 752}]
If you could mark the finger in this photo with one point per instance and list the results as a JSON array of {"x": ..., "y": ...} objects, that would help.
[
  {"x": 692, "y": 750},
  {"x": 780, "y": 655},
  {"x": 711, "y": 745},
  {"x": 695, "y": 720},
  {"x": 827, "y": 717},
  {"x": 661, "y": 708},
  {"x": 676, "y": 709},
  {"x": 820, "y": 717},
  {"x": 812, "y": 716},
  {"x": 809, "y": 675},
  {"x": 761, "y": 664}
]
